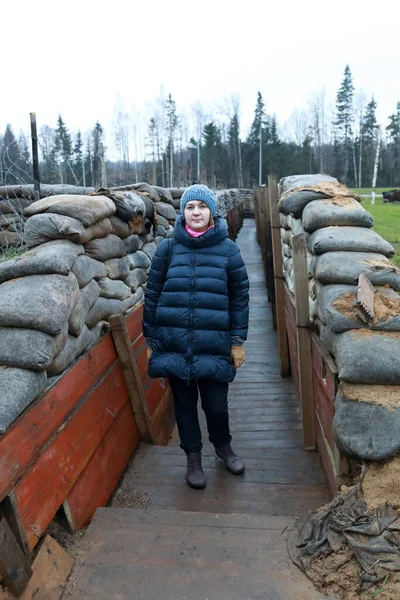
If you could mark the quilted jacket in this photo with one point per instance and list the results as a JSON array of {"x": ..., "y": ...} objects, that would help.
[{"x": 195, "y": 306}]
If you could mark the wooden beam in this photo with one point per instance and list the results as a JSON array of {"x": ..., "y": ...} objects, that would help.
[
  {"x": 284, "y": 365},
  {"x": 14, "y": 565},
  {"x": 131, "y": 371},
  {"x": 303, "y": 334}
]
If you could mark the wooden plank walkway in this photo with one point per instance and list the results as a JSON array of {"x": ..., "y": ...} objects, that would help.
[{"x": 227, "y": 537}]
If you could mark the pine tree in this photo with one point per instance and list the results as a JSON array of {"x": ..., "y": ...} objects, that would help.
[
  {"x": 63, "y": 151},
  {"x": 25, "y": 164},
  {"x": 393, "y": 130},
  {"x": 343, "y": 125},
  {"x": 78, "y": 160},
  {"x": 234, "y": 151},
  {"x": 9, "y": 158},
  {"x": 369, "y": 132},
  {"x": 97, "y": 155},
  {"x": 152, "y": 132},
  {"x": 260, "y": 126},
  {"x": 171, "y": 125}
]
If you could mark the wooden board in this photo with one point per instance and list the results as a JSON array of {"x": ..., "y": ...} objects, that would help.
[
  {"x": 51, "y": 569},
  {"x": 43, "y": 489},
  {"x": 170, "y": 555},
  {"x": 98, "y": 480},
  {"x": 14, "y": 566},
  {"x": 25, "y": 439}
]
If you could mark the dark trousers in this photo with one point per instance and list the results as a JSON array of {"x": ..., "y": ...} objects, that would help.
[{"x": 214, "y": 401}]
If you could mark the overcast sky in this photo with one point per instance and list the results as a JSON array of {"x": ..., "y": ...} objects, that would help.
[{"x": 77, "y": 57}]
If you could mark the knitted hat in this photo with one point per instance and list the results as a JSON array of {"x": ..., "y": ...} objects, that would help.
[{"x": 201, "y": 193}]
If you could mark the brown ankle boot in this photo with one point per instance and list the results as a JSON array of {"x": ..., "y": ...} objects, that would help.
[
  {"x": 232, "y": 462},
  {"x": 194, "y": 471}
]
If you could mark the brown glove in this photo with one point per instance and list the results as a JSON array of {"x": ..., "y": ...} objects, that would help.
[
  {"x": 238, "y": 356},
  {"x": 149, "y": 352}
]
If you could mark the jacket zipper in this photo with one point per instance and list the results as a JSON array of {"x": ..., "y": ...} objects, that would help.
[{"x": 191, "y": 314}]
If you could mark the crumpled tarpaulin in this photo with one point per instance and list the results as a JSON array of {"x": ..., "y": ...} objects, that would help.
[{"x": 374, "y": 538}]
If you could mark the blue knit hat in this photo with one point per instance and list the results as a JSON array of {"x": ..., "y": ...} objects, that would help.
[{"x": 201, "y": 193}]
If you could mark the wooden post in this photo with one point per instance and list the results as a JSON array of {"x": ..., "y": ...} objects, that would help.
[
  {"x": 132, "y": 377},
  {"x": 14, "y": 565},
  {"x": 303, "y": 335},
  {"x": 284, "y": 365},
  {"x": 35, "y": 157}
]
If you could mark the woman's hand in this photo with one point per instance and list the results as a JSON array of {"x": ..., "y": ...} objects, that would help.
[{"x": 238, "y": 356}]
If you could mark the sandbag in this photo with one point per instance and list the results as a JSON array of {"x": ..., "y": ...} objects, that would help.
[
  {"x": 365, "y": 356},
  {"x": 366, "y": 423},
  {"x": 165, "y": 195},
  {"x": 110, "y": 288},
  {"x": 43, "y": 228},
  {"x": 87, "y": 297},
  {"x": 42, "y": 302},
  {"x": 139, "y": 260},
  {"x": 158, "y": 239},
  {"x": 29, "y": 348},
  {"x": 286, "y": 235},
  {"x": 54, "y": 257},
  {"x": 131, "y": 244},
  {"x": 98, "y": 330},
  {"x": 105, "y": 307},
  {"x": 136, "y": 278},
  {"x": 335, "y": 211},
  {"x": 14, "y": 205},
  {"x": 176, "y": 193},
  {"x": 297, "y": 227},
  {"x": 117, "y": 268},
  {"x": 160, "y": 232},
  {"x": 19, "y": 387},
  {"x": 72, "y": 349},
  {"x": 293, "y": 181},
  {"x": 86, "y": 268},
  {"x": 9, "y": 238},
  {"x": 150, "y": 249},
  {"x": 164, "y": 222},
  {"x": 166, "y": 210},
  {"x": 297, "y": 201},
  {"x": 346, "y": 267},
  {"x": 335, "y": 306},
  {"x": 148, "y": 189},
  {"x": 119, "y": 227},
  {"x": 344, "y": 239},
  {"x": 86, "y": 209},
  {"x": 105, "y": 248},
  {"x": 128, "y": 205}
]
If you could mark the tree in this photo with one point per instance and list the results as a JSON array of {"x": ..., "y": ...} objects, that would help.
[
  {"x": 393, "y": 131},
  {"x": 234, "y": 151},
  {"x": 259, "y": 131},
  {"x": 343, "y": 126},
  {"x": 152, "y": 132},
  {"x": 9, "y": 157},
  {"x": 369, "y": 135},
  {"x": 78, "y": 167},
  {"x": 211, "y": 153},
  {"x": 98, "y": 156},
  {"x": 63, "y": 151},
  {"x": 171, "y": 125}
]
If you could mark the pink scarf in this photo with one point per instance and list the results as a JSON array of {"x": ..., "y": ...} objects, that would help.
[{"x": 196, "y": 233}]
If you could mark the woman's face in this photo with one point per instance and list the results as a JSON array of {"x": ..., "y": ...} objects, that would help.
[{"x": 197, "y": 215}]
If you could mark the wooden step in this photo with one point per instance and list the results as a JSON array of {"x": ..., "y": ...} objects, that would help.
[{"x": 173, "y": 555}]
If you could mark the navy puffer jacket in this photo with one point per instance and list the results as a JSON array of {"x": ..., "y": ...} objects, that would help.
[{"x": 194, "y": 307}]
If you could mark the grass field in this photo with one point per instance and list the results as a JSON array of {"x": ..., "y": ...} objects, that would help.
[
  {"x": 386, "y": 221},
  {"x": 369, "y": 190}
]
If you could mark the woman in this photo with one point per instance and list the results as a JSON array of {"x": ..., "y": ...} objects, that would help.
[{"x": 195, "y": 322}]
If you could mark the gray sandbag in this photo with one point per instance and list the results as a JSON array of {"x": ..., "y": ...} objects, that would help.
[
  {"x": 164, "y": 222},
  {"x": 346, "y": 267},
  {"x": 348, "y": 239},
  {"x": 148, "y": 189},
  {"x": 176, "y": 193},
  {"x": 295, "y": 202},
  {"x": 335, "y": 307},
  {"x": 110, "y": 288},
  {"x": 42, "y": 302},
  {"x": 105, "y": 307},
  {"x": 166, "y": 210},
  {"x": 119, "y": 227},
  {"x": 98, "y": 330},
  {"x": 86, "y": 209},
  {"x": 170, "y": 233},
  {"x": 139, "y": 260},
  {"x": 128, "y": 205},
  {"x": 365, "y": 356},
  {"x": 160, "y": 232},
  {"x": 293, "y": 181},
  {"x": 133, "y": 300},
  {"x": 6, "y": 220},
  {"x": 136, "y": 278},
  {"x": 165, "y": 195},
  {"x": 117, "y": 268},
  {"x": 72, "y": 349},
  {"x": 43, "y": 228},
  {"x": 297, "y": 227},
  {"x": 146, "y": 239},
  {"x": 286, "y": 235},
  {"x": 150, "y": 249},
  {"x": 85, "y": 269},
  {"x": 131, "y": 244},
  {"x": 87, "y": 297},
  {"x": 54, "y": 257},
  {"x": 366, "y": 423},
  {"x": 335, "y": 212},
  {"x": 19, "y": 387},
  {"x": 13, "y": 205},
  {"x": 9, "y": 238},
  {"x": 158, "y": 239},
  {"x": 29, "y": 348},
  {"x": 105, "y": 248}
]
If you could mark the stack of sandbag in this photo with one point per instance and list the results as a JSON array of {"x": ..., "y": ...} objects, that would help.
[
  {"x": 12, "y": 221},
  {"x": 365, "y": 349}
]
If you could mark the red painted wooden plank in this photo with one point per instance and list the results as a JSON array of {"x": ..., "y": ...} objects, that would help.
[
  {"x": 294, "y": 367},
  {"x": 153, "y": 388},
  {"x": 25, "y": 439},
  {"x": 101, "y": 475},
  {"x": 42, "y": 490},
  {"x": 326, "y": 459},
  {"x": 134, "y": 323}
]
